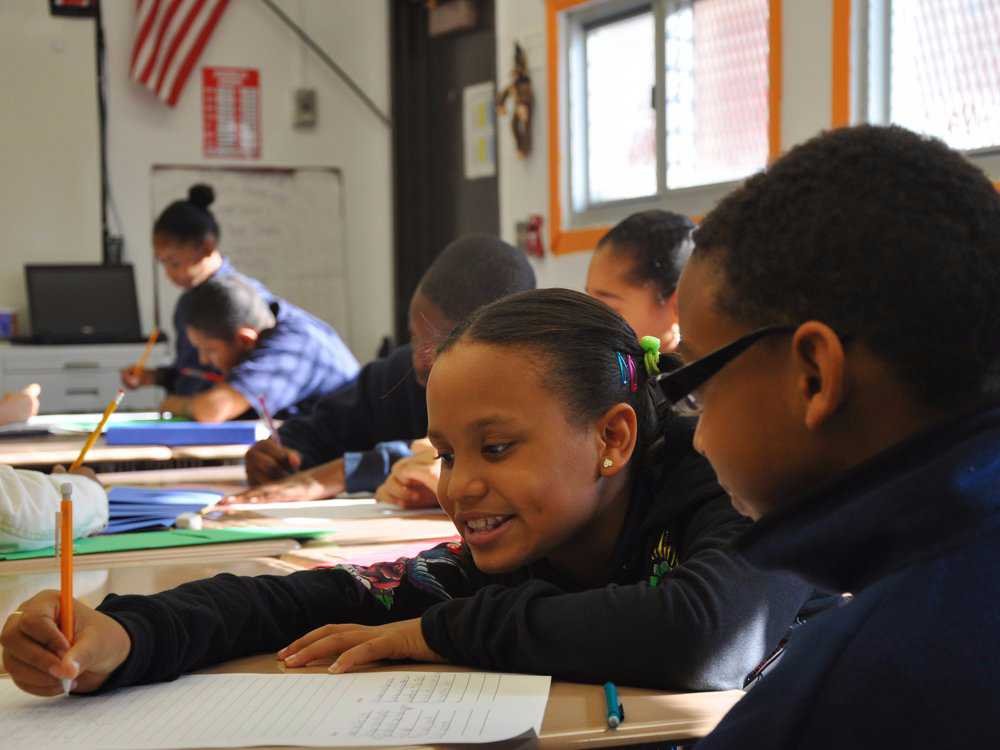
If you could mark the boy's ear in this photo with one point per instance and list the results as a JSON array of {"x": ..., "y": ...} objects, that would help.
[
  {"x": 246, "y": 338},
  {"x": 821, "y": 378},
  {"x": 618, "y": 434}
]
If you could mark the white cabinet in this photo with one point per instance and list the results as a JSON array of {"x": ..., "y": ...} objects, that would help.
[{"x": 81, "y": 378}]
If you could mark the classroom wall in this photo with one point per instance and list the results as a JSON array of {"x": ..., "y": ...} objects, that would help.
[
  {"x": 49, "y": 196},
  {"x": 143, "y": 132},
  {"x": 523, "y": 183}
]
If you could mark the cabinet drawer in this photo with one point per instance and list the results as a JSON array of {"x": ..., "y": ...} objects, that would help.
[
  {"x": 76, "y": 358},
  {"x": 68, "y": 392}
]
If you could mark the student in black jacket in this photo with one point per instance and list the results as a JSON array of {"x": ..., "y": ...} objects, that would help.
[
  {"x": 344, "y": 444},
  {"x": 595, "y": 542}
]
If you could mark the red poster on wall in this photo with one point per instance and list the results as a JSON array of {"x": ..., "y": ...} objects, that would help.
[{"x": 230, "y": 107}]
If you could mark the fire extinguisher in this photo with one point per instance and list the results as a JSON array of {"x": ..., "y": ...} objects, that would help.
[{"x": 530, "y": 236}]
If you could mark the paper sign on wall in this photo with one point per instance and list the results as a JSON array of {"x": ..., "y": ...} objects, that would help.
[
  {"x": 230, "y": 106},
  {"x": 479, "y": 130}
]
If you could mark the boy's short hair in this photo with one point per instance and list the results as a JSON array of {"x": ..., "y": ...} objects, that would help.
[
  {"x": 881, "y": 234},
  {"x": 221, "y": 306},
  {"x": 473, "y": 271}
]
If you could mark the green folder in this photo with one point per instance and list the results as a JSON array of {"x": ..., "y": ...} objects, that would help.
[{"x": 140, "y": 540}]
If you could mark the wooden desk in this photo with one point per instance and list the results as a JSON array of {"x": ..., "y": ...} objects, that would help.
[
  {"x": 575, "y": 715},
  {"x": 233, "y": 477},
  {"x": 52, "y": 450},
  {"x": 350, "y": 524},
  {"x": 358, "y": 554},
  {"x": 92, "y": 583},
  {"x": 348, "y": 538}
]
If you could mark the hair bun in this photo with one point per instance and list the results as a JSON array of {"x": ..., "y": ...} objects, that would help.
[{"x": 201, "y": 195}]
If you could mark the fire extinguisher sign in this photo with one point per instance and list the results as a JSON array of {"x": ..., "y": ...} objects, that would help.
[{"x": 230, "y": 105}]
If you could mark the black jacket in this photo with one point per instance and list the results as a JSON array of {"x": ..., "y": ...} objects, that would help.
[
  {"x": 679, "y": 609},
  {"x": 385, "y": 403}
]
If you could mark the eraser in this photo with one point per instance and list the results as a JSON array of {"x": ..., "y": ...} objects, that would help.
[
  {"x": 189, "y": 521},
  {"x": 66, "y": 489}
]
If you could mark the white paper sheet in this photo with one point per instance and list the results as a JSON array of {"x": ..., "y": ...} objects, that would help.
[{"x": 238, "y": 710}]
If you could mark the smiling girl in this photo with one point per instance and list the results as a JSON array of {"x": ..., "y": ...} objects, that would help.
[{"x": 595, "y": 541}]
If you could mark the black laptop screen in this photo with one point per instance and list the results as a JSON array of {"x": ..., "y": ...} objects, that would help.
[{"x": 82, "y": 303}]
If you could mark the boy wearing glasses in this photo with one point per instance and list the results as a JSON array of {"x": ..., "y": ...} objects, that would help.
[{"x": 841, "y": 318}]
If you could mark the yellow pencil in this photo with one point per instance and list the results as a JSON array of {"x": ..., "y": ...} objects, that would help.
[
  {"x": 137, "y": 367},
  {"x": 65, "y": 531},
  {"x": 97, "y": 430}
]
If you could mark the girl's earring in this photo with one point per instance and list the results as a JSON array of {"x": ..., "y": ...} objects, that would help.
[{"x": 607, "y": 463}]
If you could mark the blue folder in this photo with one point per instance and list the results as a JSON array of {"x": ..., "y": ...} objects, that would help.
[
  {"x": 134, "y": 508},
  {"x": 185, "y": 433}
]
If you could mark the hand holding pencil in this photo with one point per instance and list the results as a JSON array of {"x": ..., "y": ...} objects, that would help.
[
  {"x": 64, "y": 549},
  {"x": 136, "y": 375},
  {"x": 54, "y": 643},
  {"x": 39, "y": 657}
]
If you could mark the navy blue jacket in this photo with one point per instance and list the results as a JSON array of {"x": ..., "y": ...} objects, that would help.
[
  {"x": 914, "y": 659},
  {"x": 385, "y": 403}
]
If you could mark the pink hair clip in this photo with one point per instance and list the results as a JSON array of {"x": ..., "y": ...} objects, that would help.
[{"x": 633, "y": 385}]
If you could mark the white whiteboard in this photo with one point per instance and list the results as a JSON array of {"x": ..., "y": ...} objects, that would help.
[{"x": 284, "y": 227}]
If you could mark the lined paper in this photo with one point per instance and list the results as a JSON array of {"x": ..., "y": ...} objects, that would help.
[{"x": 312, "y": 710}]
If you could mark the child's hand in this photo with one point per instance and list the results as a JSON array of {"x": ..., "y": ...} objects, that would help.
[
  {"x": 355, "y": 646},
  {"x": 409, "y": 495},
  {"x": 20, "y": 405},
  {"x": 38, "y": 656},
  {"x": 83, "y": 471},
  {"x": 266, "y": 461},
  {"x": 305, "y": 485},
  {"x": 413, "y": 480},
  {"x": 131, "y": 379}
]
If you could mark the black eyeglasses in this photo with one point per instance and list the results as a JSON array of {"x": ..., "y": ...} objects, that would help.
[{"x": 678, "y": 387}]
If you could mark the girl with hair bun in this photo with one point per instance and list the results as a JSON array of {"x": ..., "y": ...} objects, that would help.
[
  {"x": 186, "y": 243},
  {"x": 269, "y": 348}
]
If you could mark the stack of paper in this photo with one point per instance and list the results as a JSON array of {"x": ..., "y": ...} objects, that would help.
[{"x": 133, "y": 508}]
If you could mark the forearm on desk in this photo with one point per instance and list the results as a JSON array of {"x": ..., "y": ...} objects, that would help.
[
  {"x": 325, "y": 480},
  {"x": 218, "y": 404},
  {"x": 226, "y": 617}
]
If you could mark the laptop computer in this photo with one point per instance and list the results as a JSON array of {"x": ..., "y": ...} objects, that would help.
[{"x": 82, "y": 304}]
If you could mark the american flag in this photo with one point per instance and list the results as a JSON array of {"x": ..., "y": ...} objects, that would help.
[{"x": 169, "y": 39}]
